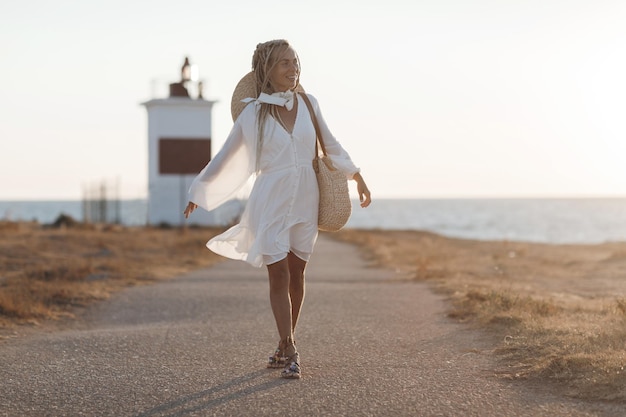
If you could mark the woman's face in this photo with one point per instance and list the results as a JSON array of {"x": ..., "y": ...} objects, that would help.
[{"x": 284, "y": 75}]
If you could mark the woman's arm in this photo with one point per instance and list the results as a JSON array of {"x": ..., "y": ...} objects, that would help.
[
  {"x": 341, "y": 159},
  {"x": 364, "y": 192},
  {"x": 189, "y": 209},
  {"x": 225, "y": 174},
  {"x": 337, "y": 154}
]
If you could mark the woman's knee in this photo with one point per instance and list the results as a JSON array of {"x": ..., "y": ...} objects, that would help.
[
  {"x": 279, "y": 276},
  {"x": 296, "y": 271},
  {"x": 296, "y": 280}
]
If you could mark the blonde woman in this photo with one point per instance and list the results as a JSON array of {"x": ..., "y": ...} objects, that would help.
[{"x": 273, "y": 137}]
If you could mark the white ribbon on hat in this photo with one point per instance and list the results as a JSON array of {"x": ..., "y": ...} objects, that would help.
[{"x": 278, "y": 99}]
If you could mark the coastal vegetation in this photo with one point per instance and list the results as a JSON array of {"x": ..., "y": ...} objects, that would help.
[{"x": 49, "y": 272}]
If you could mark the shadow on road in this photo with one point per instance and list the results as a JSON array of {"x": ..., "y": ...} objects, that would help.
[{"x": 234, "y": 389}]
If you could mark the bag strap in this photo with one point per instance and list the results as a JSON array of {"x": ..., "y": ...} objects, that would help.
[{"x": 318, "y": 133}]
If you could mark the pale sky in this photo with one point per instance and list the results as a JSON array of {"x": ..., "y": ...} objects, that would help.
[{"x": 439, "y": 98}]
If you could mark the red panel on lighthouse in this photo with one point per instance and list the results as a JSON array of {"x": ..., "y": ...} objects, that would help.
[{"x": 183, "y": 156}]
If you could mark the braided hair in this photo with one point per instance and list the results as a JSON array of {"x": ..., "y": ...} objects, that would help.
[{"x": 264, "y": 59}]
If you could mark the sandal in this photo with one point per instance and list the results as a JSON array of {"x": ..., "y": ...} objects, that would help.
[
  {"x": 278, "y": 359},
  {"x": 292, "y": 365}
]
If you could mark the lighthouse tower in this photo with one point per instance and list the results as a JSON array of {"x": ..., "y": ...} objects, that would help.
[{"x": 179, "y": 146}]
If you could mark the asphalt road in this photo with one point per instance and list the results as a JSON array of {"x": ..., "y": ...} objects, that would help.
[{"x": 371, "y": 344}]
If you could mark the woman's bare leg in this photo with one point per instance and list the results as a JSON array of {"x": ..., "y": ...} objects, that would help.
[
  {"x": 287, "y": 289},
  {"x": 296, "y": 287},
  {"x": 286, "y": 297},
  {"x": 279, "y": 297}
]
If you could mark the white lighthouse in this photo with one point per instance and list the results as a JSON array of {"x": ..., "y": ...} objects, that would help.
[{"x": 179, "y": 146}]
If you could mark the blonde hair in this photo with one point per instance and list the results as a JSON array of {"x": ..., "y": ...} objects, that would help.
[{"x": 264, "y": 59}]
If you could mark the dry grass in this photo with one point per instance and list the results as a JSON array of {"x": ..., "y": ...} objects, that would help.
[
  {"x": 46, "y": 273},
  {"x": 557, "y": 312}
]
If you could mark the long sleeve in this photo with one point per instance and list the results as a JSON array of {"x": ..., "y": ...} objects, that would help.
[
  {"x": 226, "y": 173},
  {"x": 338, "y": 155}
]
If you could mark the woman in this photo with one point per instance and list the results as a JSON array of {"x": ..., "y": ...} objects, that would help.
[{"x": 274, "y": 137}]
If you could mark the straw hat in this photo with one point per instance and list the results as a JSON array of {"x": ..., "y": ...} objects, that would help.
[{"x": 244, "y": 89}]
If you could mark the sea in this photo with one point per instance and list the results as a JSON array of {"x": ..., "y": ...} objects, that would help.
[{"x": 545, "y": 220}]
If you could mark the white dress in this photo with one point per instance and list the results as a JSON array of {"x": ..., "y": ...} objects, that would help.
[{"x": 281, "y": 212}]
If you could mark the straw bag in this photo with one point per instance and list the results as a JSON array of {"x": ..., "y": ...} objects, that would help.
[{"x": 335, "y": 206}]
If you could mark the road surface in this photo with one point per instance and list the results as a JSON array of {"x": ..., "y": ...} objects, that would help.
[{"x": 371, "y": 344}]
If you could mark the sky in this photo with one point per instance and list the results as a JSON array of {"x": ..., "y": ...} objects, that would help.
[{"x": 432, "y": 99}]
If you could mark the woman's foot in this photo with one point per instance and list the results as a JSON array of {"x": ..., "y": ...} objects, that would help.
[
  {"x": 278, "y": 359},
  {"x": 292, "y": 370},
  {"x": 292, "y": 363}
]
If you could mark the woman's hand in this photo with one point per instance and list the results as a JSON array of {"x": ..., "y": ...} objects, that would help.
[
  {"x": 189, "y": 209},
  {"x": 364, "y": 192}
]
